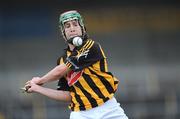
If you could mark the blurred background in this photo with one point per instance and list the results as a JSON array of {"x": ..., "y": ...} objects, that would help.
[{"x": 141, "y": 39}]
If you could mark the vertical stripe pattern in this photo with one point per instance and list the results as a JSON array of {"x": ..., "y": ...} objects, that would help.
[{"x": 95, "y": 86}]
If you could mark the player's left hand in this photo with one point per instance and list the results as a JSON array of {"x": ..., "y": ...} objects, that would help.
[
  {"x": 30, "y": 87},
  {"x": 36, "y": 80}
]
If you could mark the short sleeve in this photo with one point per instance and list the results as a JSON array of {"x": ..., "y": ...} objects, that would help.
[
  {"x": 62, "y": 83},
  {"x": 85, "y": 57}
]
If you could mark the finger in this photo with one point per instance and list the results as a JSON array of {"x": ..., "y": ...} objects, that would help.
[
  {"x": 28, "y": 82},
  {"x": 23, "y": 89},
  {"x": 29, "y": 90},
  {"x": 27, "y": 85}
]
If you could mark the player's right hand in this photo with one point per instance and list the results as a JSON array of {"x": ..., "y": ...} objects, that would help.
[
  {"x": 36, "y": 80},
  {"x": 31, "y": 87}
]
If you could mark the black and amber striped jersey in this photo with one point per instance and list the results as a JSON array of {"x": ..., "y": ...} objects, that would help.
[{"x": 89, "y": 82}]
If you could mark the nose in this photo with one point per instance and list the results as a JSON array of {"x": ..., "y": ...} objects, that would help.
[{"x": 72, "y": 29}]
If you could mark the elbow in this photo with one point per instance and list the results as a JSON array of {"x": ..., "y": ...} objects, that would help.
[
  {"x": 64, "y": 96},
  {"x": 67, "y": 95},
  {"x": 68, "y": 99}
]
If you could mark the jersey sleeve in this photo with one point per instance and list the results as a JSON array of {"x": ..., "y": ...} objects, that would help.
[
  {"x": 62, "y": 82},
  {"x": 87, "y": 56},
  {"x": 63, "y": 85}
]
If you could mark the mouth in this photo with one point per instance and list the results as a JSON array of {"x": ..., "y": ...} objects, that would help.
[{"x": 73, "y": 35}]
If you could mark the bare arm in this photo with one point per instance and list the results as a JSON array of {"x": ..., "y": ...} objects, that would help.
[
  {"x": 51, "y": 93},
  {"x": 56, "y": 73}
]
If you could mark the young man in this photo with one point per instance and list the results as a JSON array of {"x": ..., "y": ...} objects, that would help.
[{"x": 83, "y": 75}]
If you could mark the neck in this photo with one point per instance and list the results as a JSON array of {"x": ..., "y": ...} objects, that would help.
[{"x": 71, "y": 47}]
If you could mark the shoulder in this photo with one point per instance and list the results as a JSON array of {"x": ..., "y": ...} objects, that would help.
[
  {"x": 90, "y": 45},
  {"x": 93, "y": 48},
  {"x": 62, "y": 58}
]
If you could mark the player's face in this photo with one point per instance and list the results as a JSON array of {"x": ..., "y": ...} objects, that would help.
[{"x": 72, "y": 29}]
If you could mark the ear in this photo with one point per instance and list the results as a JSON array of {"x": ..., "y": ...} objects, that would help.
[{"x": 63, "y": 34}]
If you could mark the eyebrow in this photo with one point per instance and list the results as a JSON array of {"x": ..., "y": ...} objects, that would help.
[{"x": 74, "y": 21}]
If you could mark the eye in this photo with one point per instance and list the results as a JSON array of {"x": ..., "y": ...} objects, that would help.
[
  {"x": 75, "y": 23},
  {"x": 66, "y": 25}
]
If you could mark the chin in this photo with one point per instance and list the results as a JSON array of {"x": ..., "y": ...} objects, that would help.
[{"x": 72, "y": 37}]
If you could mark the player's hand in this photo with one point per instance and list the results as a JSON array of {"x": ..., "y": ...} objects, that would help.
[
  {"x": 28, "y": 85},
  {"x": 31, "y": 87},
  {"x": 36, "y": 80}
]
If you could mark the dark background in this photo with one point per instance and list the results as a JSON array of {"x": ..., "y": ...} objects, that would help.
[{"x": 140, "y": 39}]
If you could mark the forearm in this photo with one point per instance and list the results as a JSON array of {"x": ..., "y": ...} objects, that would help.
[
  {"x": 54, "y": 74},
  {"x": 54, "y": 94}
]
